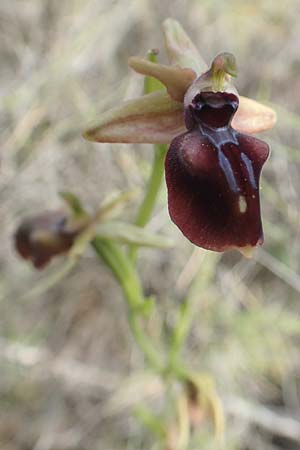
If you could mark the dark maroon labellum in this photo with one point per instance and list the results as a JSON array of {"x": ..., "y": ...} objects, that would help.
[{"x": 212, "y": 175}]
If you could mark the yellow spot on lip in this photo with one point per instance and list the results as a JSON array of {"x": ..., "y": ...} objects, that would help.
[
  {"x": 246, "y": 251},
  {"x": 242, "y": 204}
]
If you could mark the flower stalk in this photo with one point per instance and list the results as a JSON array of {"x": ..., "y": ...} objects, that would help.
[
  {"x": 157, "y": 171},
  {"x": 152, "y": 191},
  {"x": 115, "y": 258}
]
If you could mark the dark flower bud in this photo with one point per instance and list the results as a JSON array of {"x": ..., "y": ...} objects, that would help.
[
  {"x": 41, "y": 237},
  {"x": 212, "y": 174}
]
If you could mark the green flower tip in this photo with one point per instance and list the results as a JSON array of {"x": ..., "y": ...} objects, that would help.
[
  {"x": 225, "y": 62},
  {"x": 152, "y": 54},
  {"x": 222, "y": 69}
]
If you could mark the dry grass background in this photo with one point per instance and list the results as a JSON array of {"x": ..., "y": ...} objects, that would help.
[{"x": 70, "y": 374}]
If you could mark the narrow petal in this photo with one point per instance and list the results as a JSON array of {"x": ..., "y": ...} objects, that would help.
[
  {"x": 153, "y": 118},
  {"x": 175, "y": 79},
  {"x": 180, "y": 49},
  {"x": 253, "y": 117},
  {"x": 213, "y": 191}
]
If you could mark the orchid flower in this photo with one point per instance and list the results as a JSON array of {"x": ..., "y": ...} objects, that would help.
[
  {"x": 213, "y": 163},
  {"x": 41, "y": 237}
]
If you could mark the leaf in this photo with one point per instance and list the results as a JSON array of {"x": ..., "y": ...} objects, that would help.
[{"x": 131, "y": 234}]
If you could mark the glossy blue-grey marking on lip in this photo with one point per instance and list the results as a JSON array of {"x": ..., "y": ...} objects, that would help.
[
  {"x": 220, "y": 136},
  {"x": 228, "y": 172},
  {"x": 248, "y": 164}
]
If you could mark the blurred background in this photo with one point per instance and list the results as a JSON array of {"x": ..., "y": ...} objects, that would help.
[{"x": 70, "y": 374}]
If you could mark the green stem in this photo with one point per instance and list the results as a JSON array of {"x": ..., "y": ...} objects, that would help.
[
  {"x": 126, "y": 275},
  {"x": 153, "y": 187},
  {"x": 145, "y": 211},
  {"x": 180, "y": 333}
]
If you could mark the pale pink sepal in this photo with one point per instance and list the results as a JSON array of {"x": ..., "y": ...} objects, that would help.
[
  {"x": 153, "y": 118},
  {"x": 253, "y": 117},
  {"x": 156, "y": 118},
  {"x": 180, "y": 49}
]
